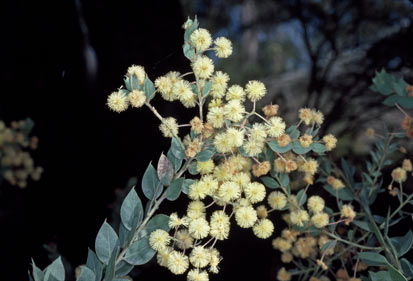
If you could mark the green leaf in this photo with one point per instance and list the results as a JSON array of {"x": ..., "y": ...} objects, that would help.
[
  {"x": 407, "y": 267},
  {"x": 379, "y": 276},
  {"x": 343, "y": 194},
  {"x": 206, "y": 154},
  {"x": 185, "y": 186},
  {"x": 318, "y": 147},
  {"x": 373, "y": 258},
  {"x": 274, "y": 147},
  {"x": 128, "y": 83},
  {"x": 405, "y": 102},
  {"x": 134, "y": 82},
  {"x": 189, "y": 52},
  {"x": 395, "y": 275},
  {"x": 123, "y": 268},
  {"x": 301, "y": 197},
  {"x": 38, "y": 274},
  {"x": 148, "y": 88},
  {"x": 123, "y": 235},
  {"x": 86, "y": 275},
  {"x": 206, "y": 88},
  {"x": 110, "y": 269},
  {"x": 293, "y": 132},
  {"x": 285, "y": 180},
  {"x": 165, "y": 170},
  {"x": 270, "y": 182},
  {"x": 177, "y": 150},
  {"x": 94, "y": 264},
  {"x": 55, "y": 271},
  {"x": 190, "y": 29},
  {"x": 106, "y": 242},
  {"x": 140, "y": 252},
  {"x": 399, "y": 87},
  {"x": 328, "y": 245},
  {"x": 177, "y": 163},
  {"x": 383, "y": 82},
  {"x": 131, "y": 209},
  {"x": 150, "y": 183},
  {"x": 159, "y": 221},
  {"x": 193, "y": 169},
  {"x": 297, "y": 148},
  {"x": 403, "y": 243},
  {"x": 174, "y": 190}
]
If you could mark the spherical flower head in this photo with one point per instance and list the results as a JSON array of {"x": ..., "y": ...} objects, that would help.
[
  {"x": 214, "y": 261},
  {"x": 182, "y": 90},
  {"x": 262, "y": 212},
  {"x": 185, "y": 239},
  {"x": 337, "y": 184},
  {"x": 290, "y": 166},
  {"x": 235, "y": 92},
  {"x": 163, "y": 256},
  {"x": 279, "y": 165},
  {"x": 263, "y": 229},
  {"x": 277, "y": 200},
  {"x": 255, "y": 90},
  {"x": 347, "y": 212},
  {"x": 196, "y": 125},
  {"x": 197, "y": 275},
  {"x": 283, "y": 140},
  {"x": 137, "y": 98},
  {"x": 199, "y": 228},
  {"x": 407, "y": 165},
  {"x": 235, "y": 137},
  {"x": 399, "y": 175},
  {"x": 206, "y": 167},
  {"x": 234, "y": 111},
  {"x": 320, "y": 220},
  {"x": 118, "y": 101},
  {"x": 242, "y": 179},
  {"x": 283, "y": 275},
  {"x": 178, "y": 263},
  {"x": 305, "y": 115},
  {"x": 197, "y": 190},
  {"x": 246, "y": 216},
  {"x": 220, "y": 225},
  {"x": 306, "y": 140},
  {"x": 139, "y": 71},
  {"x": 309, "y": 167},
  {"x": 315, "y": 204},
  {"x": 199, "y": 257},
  {"x": 201, "y": 39},
  {"x": 253, "y": 147},
  {"x": 299, "y": 217},
  {"x": 159, "y": 239},
  {"x": 175, "y": 221},
  {"x": 164, "y": 85},
  {"x": 261, "y": 169},
  {"x": 223, "y": 47},
  {"x": 276, "y": 127},
  {"x": 270, "y": 110},
  {"x": 219, "y": 84},
  {"x": 281, "y": 244},
  {"x": 317, "y": 117},
  {"x": 330, "y": 142},
  {"x": 229, "y": 191},
  {"x": 258, "y": 132},
  {"x": 203, "y": 67},
  {"x": 215, "y": 117},
  {"x": 255, "y": 192},
  {"x": 287, "y": 257},
  {"x": 169, "y": 127},
  {"x": 196, "y": 209},
  {"x": 222, "y": 143}
]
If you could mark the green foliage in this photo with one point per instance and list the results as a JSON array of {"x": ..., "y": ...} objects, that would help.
[
  {"x": 151, "y": 185},
  {"x": 106, "y": 242}
]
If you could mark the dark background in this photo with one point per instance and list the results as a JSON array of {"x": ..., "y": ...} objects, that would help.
[{"x": 89, "y": 153}]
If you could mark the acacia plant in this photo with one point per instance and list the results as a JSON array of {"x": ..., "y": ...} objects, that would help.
[{"x": 249, "y": 168}]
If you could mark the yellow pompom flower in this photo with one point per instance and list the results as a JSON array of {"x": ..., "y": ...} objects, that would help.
[
  {"x": 223, "y": 47},
  {"x": 196, "y": 209},
  {"x": 255, "y": 90},
  {"x": 197, "y": 275},
  {"x": 234, "y": 111},
  {"x": 159, "y": 239},
  {"x": 246, "y": 216},
  {"x": 261, "y": 169},
  {"x": 206, "y": 167},
  {"x": 235, "y": 92},
  {"x": 317, "y": 117},
  {"x": 184, "y": 239},
  {"x": 283, "y": 140},
  {"x": 139, "y": 71},
  {"x": 137, "y": 98},
  {"x": 255, "y": 192},
  {"x": 348, "y": 212},
  {"x": 310, "y": 167},
  {"x": 215, "y": 116},
  {"x": 242, "y": 179},
  {"x": 330, "y": 142},
  {"x": 399, "y": 175},
  {"x": 222, "y": 143},
  {"x": 199, "y": 228},
  {"x": 315, "y": 204},
  {"x": 197, "y": 190},
  {"x": 182, "y": 90},
  {"x": 277, "y": 200},
  {"x": 118, "y": 101},
  {"x": 253, "y": 147},
  {"x": 229, "y": 190},
  {"x": 196, "y": 125},
  {"x": 219, "y": 84},
  {"x": 220, "y": 225},
  {"x": 283, "y": 275},
  {"x": 175, "y": 221},
  {"x": 178, "y": 263},
  {"x": 299, "y": 217},
  {"x": 199, "y": 257},
  {"x": 281, "y": 244},
  {"x": 163, "y": 256},
  {"x": 201, "y": 39},
  {"x": 258, "y": 132},
  {"x": 164, "y": 85},
  {"x": 305, "y": 115},
  {"x": 203, "y": 67},
  {"x": 214, "y": 261},
  {"x": 169, "y": 127},
  {"x": 235, "y": 137},
  {"x": 262, "y": 211},
  {"x": 337, "y": 184},
  {"x": 263, "y": 229},
  {"x": 320, "y": 220},
  {"x": 276, "y": 127},
  {"x": 306, "y": 140},
  {"x": 210, "y": 183}
]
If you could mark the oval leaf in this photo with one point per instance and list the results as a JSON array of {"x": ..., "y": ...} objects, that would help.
[
  {"x": 55, "y": 271},
  {"x": 149, "y": 88},
  {"x": 175, "y": 161},
  {"x": 270, "y": 182},
  {"x": 343, "y": 194},
  {"x": 106, "y": 242},
  {"x": 86, "y": 275},
  {"x": 131, "y": 209},
  {"x": 185, "y": 186},
  {"x": 150, "y": 183},
  {"x": 177, "y": 150},
  {"x": 297, "y": 148},
  {"x": 165, "y": 170},
  {"x": 94, "y": 264},
  {"x": 159, "y": 221},
  {"x": 318, "y": 147},
  {"x": 373, "y": 258},
  {"x": 174, "y": 190},
  {"x": 140, "y": 252},
  {"x": 274, "y": 147},
  {"x": 205, "y": 154}
]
